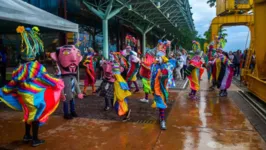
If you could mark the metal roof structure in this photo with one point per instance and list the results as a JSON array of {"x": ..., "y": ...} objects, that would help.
[{"x": 169, "y": 16}]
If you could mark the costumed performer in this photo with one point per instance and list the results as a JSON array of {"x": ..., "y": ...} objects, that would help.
[
  {"x": 134, "y": 65},
  {"x": 193, "y": 74},
  {"x": 68, "y": 58},
  {"x": 224, "y": 72},
  {"x": 106, "y": 88},
  {"x": 114, "y": 88},
  {"x": 159, "y": 82},
  {"x": 124, "y": 60},
  {"x": 121, "y": 93},
  {"x": 32, "y": 90},
  {"x": 195, "y": 46},
  {"x": 145, "y": 74},
  {"x": 90, "y": 78}
]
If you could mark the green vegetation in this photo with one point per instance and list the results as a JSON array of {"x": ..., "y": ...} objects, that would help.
[{"x": 212, "y": 3}]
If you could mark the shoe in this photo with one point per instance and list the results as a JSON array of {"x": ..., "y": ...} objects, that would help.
[
  {"x": 137, "y": 90},
  {"x": 74, "y": 114},
  {"x": 222, "y": 94},
  {"x": 127, "y": 118},
  {"x": 37, "y": 142},
  {"x": 107, "y": 108},
  {"x": 144, "y": 100},
  {"x": 27, "y": 138},
  {"x": 68, "y": 117},
  {"x": 163, "y": 125},
  {"x": 225, "y": 93}
]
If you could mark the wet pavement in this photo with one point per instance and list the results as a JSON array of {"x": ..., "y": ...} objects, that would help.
[{"x": 209, "y": 123}]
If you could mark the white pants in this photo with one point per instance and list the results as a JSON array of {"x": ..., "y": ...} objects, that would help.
[{"x": 178, "y": 72}]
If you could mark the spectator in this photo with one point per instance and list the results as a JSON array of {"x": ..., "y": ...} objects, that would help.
[
  {"x": 180, "y": 64},
  {"x": 3, "y": 60},
  {"x": 184, "y": 57},
  {"x": 231, "y": 56},
  {"x": 243, "y": 58},
  {"x": 253, "y": 62},
  {"x": 237, "y": 57}
]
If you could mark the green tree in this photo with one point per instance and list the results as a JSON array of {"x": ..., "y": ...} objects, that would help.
[
  {"x": 212, "y": 3},
  {"x": 222, "y": 32},
  {"x": 185, "y": 38},
  {"x": 201, "y": 40},
  {"x": 207, "y": 35}
]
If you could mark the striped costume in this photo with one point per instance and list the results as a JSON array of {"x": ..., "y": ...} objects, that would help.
[
  {"x": 223, "y": 72},
  {"x": 33, "y": 91}
]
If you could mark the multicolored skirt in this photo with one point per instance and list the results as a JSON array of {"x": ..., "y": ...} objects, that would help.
[
  {"x": 36, "y": 106},
  {"x": 121, "y": 92},
  {"x": 194, "y": 79}
]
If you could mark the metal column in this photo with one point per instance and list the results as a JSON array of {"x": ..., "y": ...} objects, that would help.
[
  {"x": 143, "y": 43},
  {"x": 105, "y": 38}
]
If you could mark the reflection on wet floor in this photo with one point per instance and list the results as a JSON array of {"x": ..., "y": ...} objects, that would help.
[{"x": 208, "y": 123}]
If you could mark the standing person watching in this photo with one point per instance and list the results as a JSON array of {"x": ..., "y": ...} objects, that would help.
[{"x": 184, "y": 58}]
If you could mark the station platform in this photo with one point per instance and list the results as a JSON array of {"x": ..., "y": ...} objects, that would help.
[{"x": 205, "y": 124}]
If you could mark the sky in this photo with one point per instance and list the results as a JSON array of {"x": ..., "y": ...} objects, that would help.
[{"x": 238, "y": 36}]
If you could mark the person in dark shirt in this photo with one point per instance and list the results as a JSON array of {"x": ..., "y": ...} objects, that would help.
[
  {"x": 237, "y": 58},
  {"x": 3, "y": 60},
  {"x": 243, "y": 58}
]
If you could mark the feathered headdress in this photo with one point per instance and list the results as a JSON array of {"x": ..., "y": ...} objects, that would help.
[
  {"x": 31, "y": 44},
  {"x": 162, "y": 46}
]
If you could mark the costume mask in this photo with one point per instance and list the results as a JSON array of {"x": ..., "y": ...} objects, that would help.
[
  {"x": 107, "y": 70},
  {"x": 68, "y": 57}
]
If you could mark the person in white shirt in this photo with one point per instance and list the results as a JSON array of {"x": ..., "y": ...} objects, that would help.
[
  {"x": 180, "y": 64},
  {"x": 184, "y": 58},
  {"x": 231, "y": 56}
]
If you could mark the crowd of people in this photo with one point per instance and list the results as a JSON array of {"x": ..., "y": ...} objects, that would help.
[{"x": 38, "y": 93}]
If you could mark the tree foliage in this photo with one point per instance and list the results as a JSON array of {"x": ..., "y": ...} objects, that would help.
[
  {"x": 185, "y": 38},
  {"x": 207, "y": 35},
  {"x": 222, "y": 32},
  {"x": 212, "y": 3}
]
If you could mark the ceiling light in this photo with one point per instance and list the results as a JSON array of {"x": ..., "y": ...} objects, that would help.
[
  {"x": 129, "y": 7},
  {"x": 158, "y": 5}
]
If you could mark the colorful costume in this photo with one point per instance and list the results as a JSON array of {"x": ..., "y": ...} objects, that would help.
[
  {"x": 68, "y": 58},
  {"x": 193, "y": 74},
  {"x": 160, "y": 82},
  {"x": 106, "y": 88},
  {"x": 195, "y": 46},
  {"x": 32, "y": 89},
  {"x": 223, "y": 73},
  {"x": 121, "y": 91},
  {"x": 90, "y": 78},
  {"x": 114, "y": 88},
  {"x": 145, "y": 74},
  {"x": 134, "y": 66}
]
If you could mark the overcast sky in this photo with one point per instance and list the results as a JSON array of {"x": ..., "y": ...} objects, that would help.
[{"x": 203, "y": 15}]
